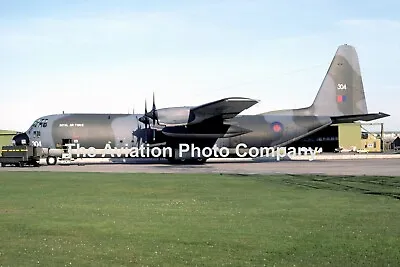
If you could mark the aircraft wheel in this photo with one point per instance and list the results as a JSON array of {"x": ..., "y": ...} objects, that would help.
[
  {"x": 51, "y": 160},
  {"x": 196, "y": 161},
  {"x": 187, "y": 161},
  {"x": 174, "y": 161},
  {"x": 202, "y": 160}
]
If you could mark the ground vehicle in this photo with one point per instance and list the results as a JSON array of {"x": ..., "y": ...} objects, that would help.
[{"x": 20, "y": 156}]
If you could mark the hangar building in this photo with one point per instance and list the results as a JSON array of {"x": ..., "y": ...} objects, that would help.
[{"x": 347, "y": 136}]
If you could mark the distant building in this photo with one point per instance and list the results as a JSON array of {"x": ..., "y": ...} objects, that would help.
[
  {"x": 370, "y": 142},
  {"x": 395, "y": 144},
  {"x": 6, "y": 137},
  {"x": 390, "y": 136}
]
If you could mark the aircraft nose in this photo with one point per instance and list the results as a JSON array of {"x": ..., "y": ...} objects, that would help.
[{"x": 20, "y": 139}]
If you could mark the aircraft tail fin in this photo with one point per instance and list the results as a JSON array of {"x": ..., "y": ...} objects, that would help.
[{"x": 342, "y": 91}]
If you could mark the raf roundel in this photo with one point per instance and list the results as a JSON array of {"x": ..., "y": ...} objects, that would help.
[{"x": 277, "y": 127}]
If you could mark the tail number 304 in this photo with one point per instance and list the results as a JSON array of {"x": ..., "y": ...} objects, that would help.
[
  {"x": 342, "y": 86},
  {"x": 37, "y": 143}
]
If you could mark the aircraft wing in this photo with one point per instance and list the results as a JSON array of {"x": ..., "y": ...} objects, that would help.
[
  {"x": 207, "y": 121},
  {"x": 226, "y": 108}
]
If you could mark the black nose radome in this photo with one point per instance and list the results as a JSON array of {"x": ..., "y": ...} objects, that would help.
[{"x": 20, "y": 139}]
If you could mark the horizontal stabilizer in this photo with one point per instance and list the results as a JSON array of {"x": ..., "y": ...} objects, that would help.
[{"x": 360, "y": 117}]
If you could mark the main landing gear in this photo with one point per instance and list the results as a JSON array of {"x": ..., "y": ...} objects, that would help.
[{"x": 186, "y": 161}]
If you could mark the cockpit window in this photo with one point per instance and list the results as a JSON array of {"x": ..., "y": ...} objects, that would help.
[{"x": 40, "y": 123}]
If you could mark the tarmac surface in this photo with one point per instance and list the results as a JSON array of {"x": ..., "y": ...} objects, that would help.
[{"x": 360, "y": 166}]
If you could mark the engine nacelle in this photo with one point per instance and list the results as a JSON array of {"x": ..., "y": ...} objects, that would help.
[{"x": 174, "y": 116}]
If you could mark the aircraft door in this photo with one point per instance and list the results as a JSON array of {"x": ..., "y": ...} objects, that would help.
[{"x": 64, "y": 143}]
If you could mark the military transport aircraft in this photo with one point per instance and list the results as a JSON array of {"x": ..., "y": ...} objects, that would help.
[{"x": 340, "y": 99}]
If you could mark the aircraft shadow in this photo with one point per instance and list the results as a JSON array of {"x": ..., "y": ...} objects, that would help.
[
  {"x": 147, "y": 161},
  {"x": 383, "y": 186},
  {"x": 388, "y": 186}
]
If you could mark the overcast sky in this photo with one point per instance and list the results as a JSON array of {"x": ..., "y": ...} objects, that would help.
[{"x": 108, "y": 56}]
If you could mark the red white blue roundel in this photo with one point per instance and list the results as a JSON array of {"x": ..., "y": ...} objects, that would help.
[{"x": 277, "y": 127}]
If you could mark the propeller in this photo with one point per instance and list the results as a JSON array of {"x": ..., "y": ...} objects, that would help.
[
  {"x": 145, "y": 119},
  {"x": 154, "y": 116},
  {"x": 154, "y": 110}
]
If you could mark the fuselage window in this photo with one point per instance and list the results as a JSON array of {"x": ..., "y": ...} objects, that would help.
[{"x": 36, "y": 133}]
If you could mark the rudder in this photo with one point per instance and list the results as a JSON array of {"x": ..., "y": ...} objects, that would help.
[{"x": 342, "y": 90}]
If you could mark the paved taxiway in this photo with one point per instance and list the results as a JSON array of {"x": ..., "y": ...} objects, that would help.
[{"x": 381, "y": 167}]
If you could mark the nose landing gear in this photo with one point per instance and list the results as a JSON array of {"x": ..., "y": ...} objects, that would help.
[{"x": 50, "y": 160}]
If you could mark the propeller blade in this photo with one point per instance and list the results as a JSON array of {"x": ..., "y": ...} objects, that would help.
[
  {"x": 145, "y": 112},
  {"x": 154, "y": 110},
  {"x": 154, "y": 102}
]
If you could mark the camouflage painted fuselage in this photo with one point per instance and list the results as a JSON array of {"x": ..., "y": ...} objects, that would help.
[{"x": 117, "y": 130}]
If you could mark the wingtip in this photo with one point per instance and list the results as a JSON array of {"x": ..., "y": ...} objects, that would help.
[{"x": 242, "y": 99}]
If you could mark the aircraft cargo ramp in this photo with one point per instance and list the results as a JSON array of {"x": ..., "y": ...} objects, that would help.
[{"x": 19, "y": 156}]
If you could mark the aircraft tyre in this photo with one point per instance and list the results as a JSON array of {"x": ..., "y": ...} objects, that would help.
[
  {"x": 187, "y": 161},
  {"x": 176, "y": 160},
  {"x": 50, "y": 160},
  {"x": 201, "y": 160}
]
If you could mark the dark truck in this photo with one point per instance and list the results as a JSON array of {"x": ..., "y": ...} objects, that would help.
[{"x": 20, "y": 156}]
